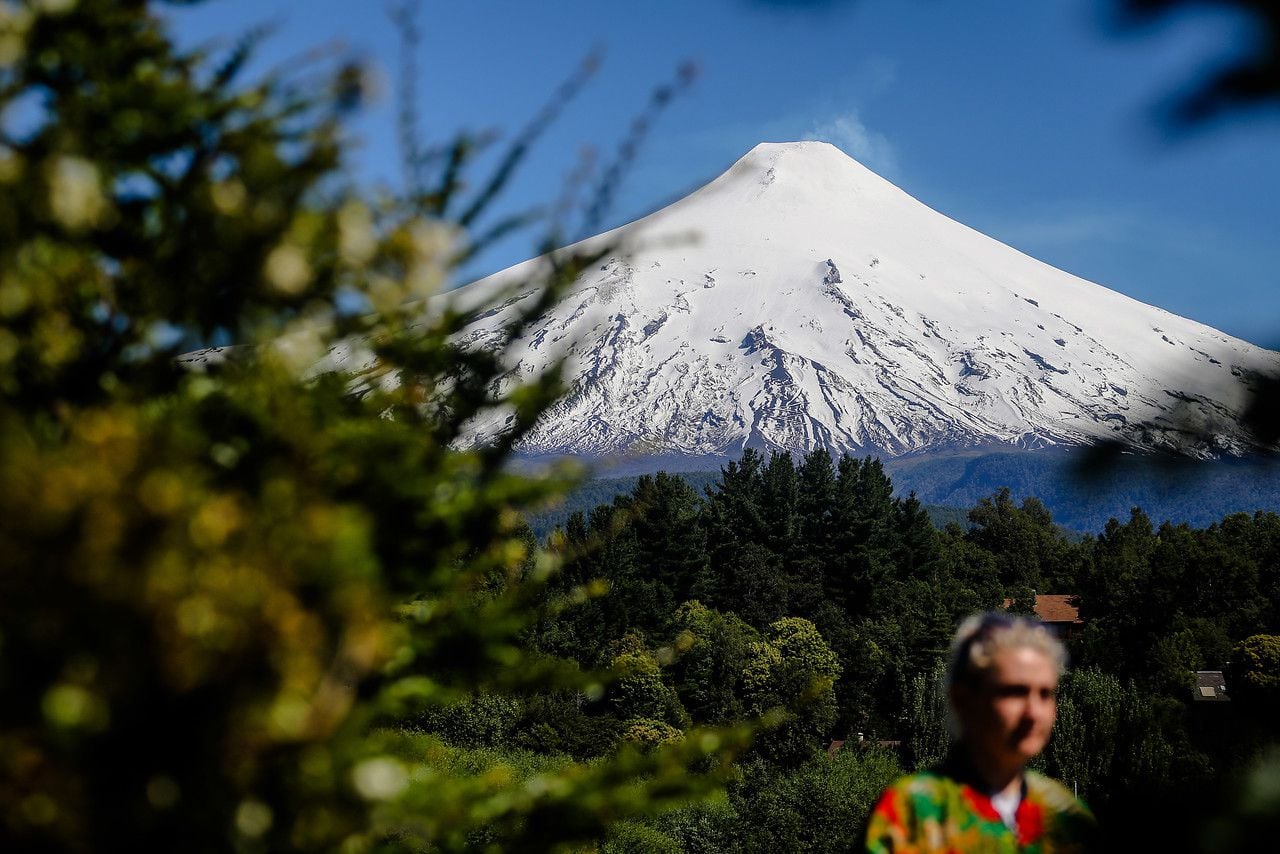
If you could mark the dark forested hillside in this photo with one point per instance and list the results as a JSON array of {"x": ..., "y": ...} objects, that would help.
[
  {"x": 603, "y": 490},
  {"x": 1081, "y": 494},
  {"x": 805, "y": 591},
  {"x": 1084, "y": 492}
]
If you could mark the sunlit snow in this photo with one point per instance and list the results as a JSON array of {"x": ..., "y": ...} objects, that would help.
[{"x": 801, "y": 300}]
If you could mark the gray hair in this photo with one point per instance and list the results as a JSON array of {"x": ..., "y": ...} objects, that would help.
[{"x": 981, "y": 636}]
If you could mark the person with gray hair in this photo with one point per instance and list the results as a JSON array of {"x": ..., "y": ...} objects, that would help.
[{"x": 1002, "y": 683}]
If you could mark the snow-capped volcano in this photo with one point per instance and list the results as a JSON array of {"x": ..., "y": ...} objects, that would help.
[{"x": 800, "y": 300}]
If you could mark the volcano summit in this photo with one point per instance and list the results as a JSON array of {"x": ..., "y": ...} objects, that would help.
[{"x": 799, "y": 300}]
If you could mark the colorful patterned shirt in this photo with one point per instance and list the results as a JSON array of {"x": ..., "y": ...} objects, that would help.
[{"x": 937, "y": 811}]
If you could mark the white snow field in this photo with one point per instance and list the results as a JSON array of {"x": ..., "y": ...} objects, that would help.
[{"x": 799, "y": 300}]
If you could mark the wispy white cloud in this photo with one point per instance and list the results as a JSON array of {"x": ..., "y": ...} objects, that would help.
[
  {"x": 877, "y": 74},
  {"x": 1071, "y": 228},
  {"x": 1167, "y": 235},
  {"x": 852, "y": 136}
]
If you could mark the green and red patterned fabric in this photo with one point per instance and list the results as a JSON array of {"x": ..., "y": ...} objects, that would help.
[{"x": 937, "y": 811}]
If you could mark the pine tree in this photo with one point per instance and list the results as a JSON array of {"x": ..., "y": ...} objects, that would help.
[
  {"x": 671, "y": 544},
  {"x": 817, "y": 506}
]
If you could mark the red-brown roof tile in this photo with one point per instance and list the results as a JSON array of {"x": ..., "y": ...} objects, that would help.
[
  {"x": 1058, "y": 608},
  {"x": 1055, "y": 607}
]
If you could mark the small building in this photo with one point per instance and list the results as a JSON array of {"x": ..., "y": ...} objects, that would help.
[
  {"x": 1210, "y": 687},
  {"x": 1060, "y": 610}
]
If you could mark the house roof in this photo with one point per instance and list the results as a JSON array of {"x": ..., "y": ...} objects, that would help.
[
  {"x": 1210, "y": 687},
  {"x": 1056, "y": 607}
]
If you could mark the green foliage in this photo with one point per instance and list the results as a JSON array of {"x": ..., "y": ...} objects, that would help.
[
  {"x": 882, "y": 589},
  {"x": 1254, "y": 671},
  {"x": 640, "y": 692},
  {"x": 1118, "y": 745},
  {"x": 1030, "y": 550},
  {"x": 821, "y": 806},
  {"x": 1149, "y": 599},
  {"x": 1250, "y": 815},
  {"x": 1089, "y": 736},
  {"x": 647, "y": 733},
  {"x": 713, "y": 652},
  {"x": 636, "y": 838},
  {"x": 706, "y": 827},
  {"x": 670, "y": 546},
  {"x": 602, "y": 490},
  {"x": 225, "y": 589},
  {"x": 927, "y": 739},
  {"x": 774, "y": 538},
  {"x": 806, "y": 666},
  {"x": 479, "y": 721},
  {"x": 793, "y": 669},
  {"x": 529, "y": 799}
]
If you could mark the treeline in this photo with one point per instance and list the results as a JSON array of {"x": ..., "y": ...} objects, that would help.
[
  {"x": 823, "y": 541},
  {"x": 590, "y": 494},
  {"x": 803, "y": 593}
]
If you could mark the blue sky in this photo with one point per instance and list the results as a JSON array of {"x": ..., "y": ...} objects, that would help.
[{"x": 1033, "y": 122}]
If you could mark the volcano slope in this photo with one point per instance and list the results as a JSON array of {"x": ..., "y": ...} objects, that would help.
[{"x": 799, "y": 301}]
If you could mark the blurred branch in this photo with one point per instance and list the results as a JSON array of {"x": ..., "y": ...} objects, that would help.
[
  {"x": 405, "y": 17},
  {"x": 1248, "y": 79},
  {"x": 520, "y": 146},
  {"x": 630, "y": 145}
]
